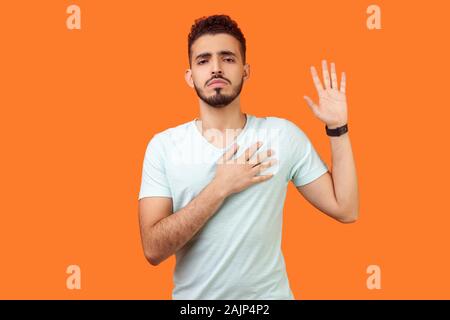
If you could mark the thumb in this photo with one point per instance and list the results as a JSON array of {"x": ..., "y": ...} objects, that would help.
[{"x": 311, "y": 105}]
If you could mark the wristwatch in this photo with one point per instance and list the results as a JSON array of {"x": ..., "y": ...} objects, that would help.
[{"x": 336, "y": 132}]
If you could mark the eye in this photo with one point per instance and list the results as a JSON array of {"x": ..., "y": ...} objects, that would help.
[
  {"x": 201, "y": 61},
  {"x": 229, "y": 59}
]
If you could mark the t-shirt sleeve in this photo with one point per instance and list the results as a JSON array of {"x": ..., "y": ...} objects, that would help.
[
  {"x": 306, "y": 164},
  {"x": 154, "y": 179}
]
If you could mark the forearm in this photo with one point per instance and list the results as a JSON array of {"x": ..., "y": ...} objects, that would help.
[
  {"x": 173, "y": 232},
  {"x": 344, "y": 176}
]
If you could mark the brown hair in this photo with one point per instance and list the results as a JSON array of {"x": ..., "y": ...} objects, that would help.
[{"x": 212, "y": 25}]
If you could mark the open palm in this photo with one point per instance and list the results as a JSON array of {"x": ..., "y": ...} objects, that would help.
[{"x": 332, "y": 107}]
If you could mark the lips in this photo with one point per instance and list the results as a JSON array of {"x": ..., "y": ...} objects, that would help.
[{"x": 217, "y": 82}]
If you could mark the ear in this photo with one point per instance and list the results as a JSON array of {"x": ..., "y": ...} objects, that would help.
[
  {"x": 246, "y": 71},
  {"x": 188, "y": 78}
]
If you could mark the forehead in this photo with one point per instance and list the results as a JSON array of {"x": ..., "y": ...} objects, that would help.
[{"x": 215, "y": 43}]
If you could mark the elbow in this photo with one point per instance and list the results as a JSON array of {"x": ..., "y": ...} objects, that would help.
[
  {"x": 349, "y": 214},
  {"x": 349, "y": 218},
  {"x": 153, "y": 262},
  {"x": 151, "y": 258}
]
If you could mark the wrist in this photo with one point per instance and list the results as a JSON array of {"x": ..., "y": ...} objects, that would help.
[
  {"x": 336, "y": 130},
  {"x": 334, "y": 126},
  {"x": 218, "y": 190}
]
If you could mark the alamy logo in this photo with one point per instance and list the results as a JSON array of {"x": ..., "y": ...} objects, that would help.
[
  {"x": 74, "y": 20},
  {"x": 188, "y": 151},
  {"x": 74, "y": 280},
  {"x": 374, "y": 20},
  {"x": 374, "y": 280}
]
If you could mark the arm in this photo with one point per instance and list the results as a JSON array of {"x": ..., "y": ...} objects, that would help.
[
  {"x": 164, "y": 233},
  {"x": 336, "y": 194}
]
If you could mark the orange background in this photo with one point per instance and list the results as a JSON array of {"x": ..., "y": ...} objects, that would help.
[{"x": 78, "y": 108}]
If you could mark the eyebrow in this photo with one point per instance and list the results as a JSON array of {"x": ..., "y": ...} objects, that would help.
[{"x": 221, "y": 53}]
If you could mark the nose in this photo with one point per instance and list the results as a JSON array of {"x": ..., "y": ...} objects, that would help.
[{"x": 216, "y": 68}]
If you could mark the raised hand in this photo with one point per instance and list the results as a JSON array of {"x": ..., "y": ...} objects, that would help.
[{"x": 332, "y": 107}]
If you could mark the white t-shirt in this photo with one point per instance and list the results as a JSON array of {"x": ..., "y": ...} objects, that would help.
[{"x": 237, "y": 254}]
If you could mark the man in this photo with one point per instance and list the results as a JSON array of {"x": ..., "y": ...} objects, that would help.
[{"x": 213, "y": 189}]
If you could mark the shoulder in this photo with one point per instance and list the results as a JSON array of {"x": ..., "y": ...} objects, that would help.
[
  {"x": 171, "y": 134},
  {"x": 286, "y": 126},
  {"x": 270, "y": 121},
  {"x": 160, "y": 143}
]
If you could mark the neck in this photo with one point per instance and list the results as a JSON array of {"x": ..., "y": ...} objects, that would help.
[{"x": 229, "y": 117}]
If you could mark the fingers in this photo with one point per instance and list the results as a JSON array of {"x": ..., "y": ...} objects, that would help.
[
  {"x": 249, "y": 152},
  {"x": 257, "y": 179},
  {"x": 329, "y": 84},
  {"x": 326, "y": 75},
  {"x": 316, "y": 80},
  {"x": 261, "y": 156},
  {"x": 229, "y": 153},
  {"x": 343, "y": 82},
  {"x": 263, "y": 166},
  {"x": 334, "y": 83}
]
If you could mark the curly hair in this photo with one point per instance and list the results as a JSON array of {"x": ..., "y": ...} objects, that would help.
[{"x": 212, "y": 25}]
